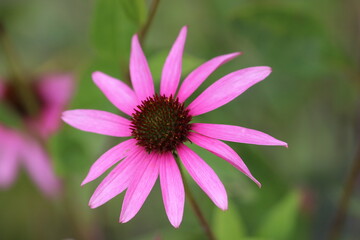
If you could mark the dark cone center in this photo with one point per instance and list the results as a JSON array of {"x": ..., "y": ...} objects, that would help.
[
  {"x": 13, "y": 98},
  {"x": 160, "y": 124}
]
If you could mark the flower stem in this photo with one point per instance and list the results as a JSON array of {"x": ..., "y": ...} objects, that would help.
[
  {"x": 20, "y": 85},
  {"x": 203, "y": 222},
  {"x": 345, "y": 198},
  {"x": 145, "y": 28}
]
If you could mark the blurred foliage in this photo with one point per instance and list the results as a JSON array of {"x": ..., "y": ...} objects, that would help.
[
  {"x": 112, "y": 28},
  {"x": 311, "y": 101},
  {"x": 281, "y": 222},
  {"x": 135, "y": 10},
  {"x": 228, "y": 225}
]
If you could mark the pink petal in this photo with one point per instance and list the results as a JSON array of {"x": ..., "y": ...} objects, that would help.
[
  {"x": 109, "y": 158},
  {"x": 56, "y": 89},
  {"x": 199, "y": 75},
  {"x": 236, "y": 134},
  {"x": 204, "y": 176},
  {"x": 227, "y": 88},
  {"x": 171, "y": 72},
  {"x": 139, "y": 188},
  {"x": 38, "y": 164},
  {"x": 118, "y": 93},
  {"x": 97, "y": 121},
  {"x": 119, "y": 178},
  {"x": 172, "y": 189},
  {"x": 222, "y": 150},
  {"x": 9, "y": 160},
  {"x": 140, "y": 72}
]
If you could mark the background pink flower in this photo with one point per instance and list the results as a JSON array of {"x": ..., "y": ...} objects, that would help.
[
  {"x": 25, "y": 148},
  {"x": 159, "y": 125}
]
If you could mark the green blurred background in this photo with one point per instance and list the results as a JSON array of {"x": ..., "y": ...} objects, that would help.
[{"x": 311, "y": 101}]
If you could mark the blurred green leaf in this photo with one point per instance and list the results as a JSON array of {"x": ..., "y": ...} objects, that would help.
[
  {"x": 10, "y": 9},
  {"x": 228, "y": 224},
  {"x": 254, "y": 238},
  {"x": 295, "y": 43},
  {"x": 111, "y": 33},
  {"x": 135, "y": 10},
  {"x": 157, "y": 61},
  {"x": 281, "y": 220},
  {"x": 8, "y": 117}
]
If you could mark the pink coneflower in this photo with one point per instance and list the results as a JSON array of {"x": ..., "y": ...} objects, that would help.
[
  {"x": 159, "y": 125},
  {"x": 17, "y": 147}
]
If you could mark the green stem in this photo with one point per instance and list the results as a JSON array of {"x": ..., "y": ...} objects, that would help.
[
  {"x": 345, "y": 198},
  {"x": 79, "y": 225},
  {"x": 21, "y": 86},
  {"x": 203, "y": 222},
  {"x": 145, "y": 28}
]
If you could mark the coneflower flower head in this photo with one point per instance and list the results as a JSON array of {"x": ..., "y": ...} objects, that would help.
[{"x": 159, "y": 125}]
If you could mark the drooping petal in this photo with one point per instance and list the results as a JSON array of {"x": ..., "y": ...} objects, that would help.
[
  {"x": 172, "y": 189},
  {"x": 97, "y": 121},
  {"x": 38, "y": 165},
  {"x": 109, "y": 158},
  {"x": 8, "y": 165},
  {"x": 204, "y": 176},
  {"x": 236, "y": 134},
  {"x": 10, "y": 143},
  {"x": 199, "y": 75},
  {"x": 119, "y": 178},
  {"x": 118, "y": 93},
  {"x": 47, "y": 122},
  {"x": 171, "y": 72},
  {"x": 139, "y": 188},
  {"x": 222, "y": 150},
  {"x": 140, "y": 72},
  {"x": 227, "y": 88}
]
